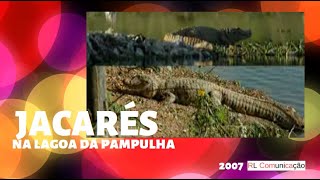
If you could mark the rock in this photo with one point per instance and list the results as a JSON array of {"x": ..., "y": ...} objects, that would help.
[
  {"x": 139, "y": 52},
  {"x": 139, "y": 38},
  {"x": 121, "y": 49},
  {"x": 116, "y": 52},
  {"x": 127, "y": 48}
]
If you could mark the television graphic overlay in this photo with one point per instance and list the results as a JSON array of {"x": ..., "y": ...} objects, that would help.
[
  {"x": 226, "y": 79},
  {"x": 170, "y": 90}
]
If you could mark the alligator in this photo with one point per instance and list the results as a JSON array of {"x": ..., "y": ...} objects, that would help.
[
  {"x": 208, "y": 36},
  {"x": 185, "y": 91},
  {"x": 191, "y": 41}
]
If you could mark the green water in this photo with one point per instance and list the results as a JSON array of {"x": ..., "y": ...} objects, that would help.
[{"x": 278, "y": 27}]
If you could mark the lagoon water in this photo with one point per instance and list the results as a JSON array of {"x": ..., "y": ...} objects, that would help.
[{"x": 283, "y": 83}]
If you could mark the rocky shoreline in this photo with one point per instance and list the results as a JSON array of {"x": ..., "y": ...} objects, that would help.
[
  {"x": 174, "y": 119},
  {"x": 117, "y": 49},
  {"x": 114, "y": 49}
]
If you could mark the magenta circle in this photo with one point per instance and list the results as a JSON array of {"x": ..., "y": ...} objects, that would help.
[
  {"x": 62, "y": 42},
  {"x": 7, "y": 73},
  {"x": 307, "y": 174}
]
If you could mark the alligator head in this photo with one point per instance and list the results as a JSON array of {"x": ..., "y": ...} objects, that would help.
[
  {"x": 222, "y": 37},
  {"x": 233, "y": 35},
  {"x": 142, "y": 85}
]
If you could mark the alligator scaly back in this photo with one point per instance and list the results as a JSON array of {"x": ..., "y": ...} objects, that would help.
[
  {"x": 184, "y": 91},
  {"x": 227, "y": 36},
  {"x": 285, "y": 117},
  {"x": 191, "y": 41}
]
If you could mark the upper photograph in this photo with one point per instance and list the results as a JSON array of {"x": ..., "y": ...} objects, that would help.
[{"x": 195, "y": 38}]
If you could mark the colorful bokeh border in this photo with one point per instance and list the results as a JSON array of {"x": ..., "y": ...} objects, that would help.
[{"x": 43, "y": 66}]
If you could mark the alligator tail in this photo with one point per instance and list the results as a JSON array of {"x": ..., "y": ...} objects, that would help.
[{"x": 261, "y": 108}]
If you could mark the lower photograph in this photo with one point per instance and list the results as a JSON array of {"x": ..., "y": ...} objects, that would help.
[{"x": 203, "y": 102}]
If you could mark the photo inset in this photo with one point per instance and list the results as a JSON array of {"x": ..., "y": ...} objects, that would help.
[
  {"x": 208, "y": 74},
  {"x": 195, "y": 38},
  {"x": 211, "y": 101}
]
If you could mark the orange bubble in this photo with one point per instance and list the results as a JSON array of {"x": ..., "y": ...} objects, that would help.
[
  {"x": 75, "y": 94},
  {"x": 311, "y": 11},
  {"x": 279, "y": 6},
  {"x": 75, "y": 99},
  {"x": 31, "y": 159},
  {"x": 82, "y": 73},
  {"x": 9, "y": 157},
  {"x": 146, "y": 7},
  {"x": 48, "y": 95}
]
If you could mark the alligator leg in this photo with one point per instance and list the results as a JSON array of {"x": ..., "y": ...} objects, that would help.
[{"x": 167, "y": 97}]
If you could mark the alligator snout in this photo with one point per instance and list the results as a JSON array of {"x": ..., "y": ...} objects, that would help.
[{"x": 248, "y": 32}]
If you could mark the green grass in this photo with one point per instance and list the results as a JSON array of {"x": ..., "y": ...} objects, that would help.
[
  {"x": 213, "y": 121},
  {"x": 249, "y": 49},
  {"x": 208, "y": 116},
  {"x": 113, "y": 106}
]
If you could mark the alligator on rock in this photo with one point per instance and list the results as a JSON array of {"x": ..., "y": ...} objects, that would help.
[
  {"x": 207, "y": 35},
  {"x": 184, "y": 91}
]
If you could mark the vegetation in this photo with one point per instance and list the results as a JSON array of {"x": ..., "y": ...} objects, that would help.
[
  {"x": 117, "y": 108},
  {"x": 277, "y": 37},
  {"x": 249, "y": 49},
  {"x": 113, "y": 106},
  {"x": 289, "y": 53},
  {"x": 208, "y": 116},
  {"x": 211, "y": 120}
]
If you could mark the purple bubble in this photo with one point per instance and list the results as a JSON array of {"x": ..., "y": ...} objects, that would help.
[
  {"x": 244, "y": 174},
  {"x": 307, "y": 174},
  {"x": 94, "y": 167},
  {"x": 65, "y": 50},
  {"x": 7, "y": 73}
]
